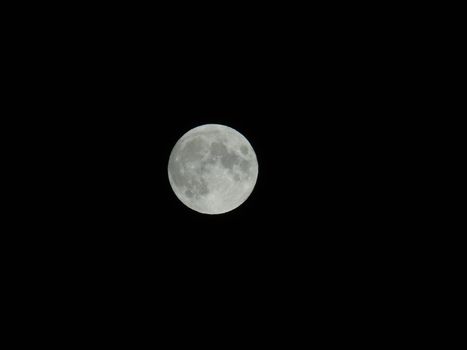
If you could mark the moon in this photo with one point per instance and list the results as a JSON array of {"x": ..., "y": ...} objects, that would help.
[{"x": 213, "y": 169}]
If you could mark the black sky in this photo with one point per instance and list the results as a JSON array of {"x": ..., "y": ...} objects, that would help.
[
  {"x": 306, "y": 105},
  {"x": 305, "y": 94}
]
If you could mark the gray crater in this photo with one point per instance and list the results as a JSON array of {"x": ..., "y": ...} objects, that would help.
[
  {"x": 228, "y": 159},
  {"x": 218, "y": 149},
  {"x": 175, "y": 168},
  {"x": 245, "y": 166},
  {"x": 193, "y": 150},
  {"x": 196, "y": 188}
]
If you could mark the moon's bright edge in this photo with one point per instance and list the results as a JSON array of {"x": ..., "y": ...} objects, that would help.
[{"x": 213, "y": 169}]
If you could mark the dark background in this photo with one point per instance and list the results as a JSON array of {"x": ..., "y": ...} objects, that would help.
[{"x": 113, "y": 94}]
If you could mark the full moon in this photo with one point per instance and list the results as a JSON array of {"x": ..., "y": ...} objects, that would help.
[{"x": 212, "y": 169}]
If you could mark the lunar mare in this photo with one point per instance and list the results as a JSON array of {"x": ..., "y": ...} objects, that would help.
[{"x": 212, "y": 169}]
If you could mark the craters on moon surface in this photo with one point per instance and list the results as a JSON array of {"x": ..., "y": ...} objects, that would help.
[
  {"x": 244, "y": 150},
  {"x": 213, "y": 169}
]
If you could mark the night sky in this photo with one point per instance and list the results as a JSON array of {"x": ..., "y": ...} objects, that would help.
[{"x": 116, "y": 102}]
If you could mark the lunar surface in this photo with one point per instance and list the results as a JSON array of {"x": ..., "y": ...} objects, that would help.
[{"x": 213, "y": 169}]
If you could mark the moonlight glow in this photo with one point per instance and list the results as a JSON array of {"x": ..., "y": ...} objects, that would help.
[{"x": 213, "y": 169}]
